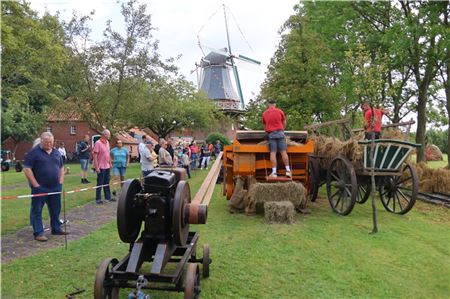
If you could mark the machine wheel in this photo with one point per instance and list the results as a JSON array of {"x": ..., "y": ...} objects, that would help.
[
  {"x": 342, "y": 186},
  {"x": 128, "y": 218},
  {"x": 192, "y": 282},
  {"x": 5, "y": 166},
  {"x": 206, "y": 261},
  {"x": 179, "y": 223},
  {"x": 364, "y": 189},
  {"x": 313, "y": 174},
  {"x": 103, "y": 282},
  {"x": 398, "y": 194}
]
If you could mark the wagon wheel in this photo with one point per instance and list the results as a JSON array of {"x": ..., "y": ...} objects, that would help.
[
  {"x": 103, "y": 287},
  {"x": 128, "y": 219},
  {"x": 179, "y": 222},
  {"x": 342, "y": 186},
  {"x": 313, "y": 174},
  {"x": 206, "y": 261},
  {"x": 398, "y": 194},
  {"x": 364, "y": 189},
  {"x": 192, "y": 282}
]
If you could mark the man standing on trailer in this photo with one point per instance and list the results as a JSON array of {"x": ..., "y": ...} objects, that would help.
[
  {"x": 372, "y": 128},
  {"x": 274, "y": 122}
]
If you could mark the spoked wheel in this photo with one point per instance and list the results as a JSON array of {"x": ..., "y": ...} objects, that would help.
[
  {"x": 192, "y": 282},
  {"x": 129, "y": 219},
  {"x": 206, "y": 261},
  {"x": 313, "y": 174},
  {"x": 341, "y": 186},
  {"x": 364, "y": 189},
  {"x": 180, "y": 223},
  {"x": 103, "y": 287},
  {"x": 398, "y": 194}
]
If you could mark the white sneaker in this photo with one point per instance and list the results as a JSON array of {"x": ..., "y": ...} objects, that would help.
[
  {"x": 288, "y": 174},
  {"x": 273, "y": 175}
]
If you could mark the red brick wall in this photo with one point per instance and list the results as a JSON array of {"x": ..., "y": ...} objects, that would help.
[{"x": 61, "y": 131}]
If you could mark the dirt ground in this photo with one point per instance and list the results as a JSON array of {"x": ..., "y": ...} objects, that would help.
[{"x": 82, "y": 221}]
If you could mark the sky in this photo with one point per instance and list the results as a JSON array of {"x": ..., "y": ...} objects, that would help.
[{"x": 253, "y": 27}]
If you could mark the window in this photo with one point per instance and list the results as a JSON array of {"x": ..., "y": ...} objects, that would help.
[
  {"x": 49, "y": 129},
  {"x": 73, "y": 130}
]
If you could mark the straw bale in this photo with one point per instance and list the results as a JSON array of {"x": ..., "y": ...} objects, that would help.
[
  {"x": 433, "y": 153},
  {"x": 394, "y": 134},
  {"x": 265, "y": 192},
  {"x": 279, "y": 212},
  {"x": 433, "y": 179}
]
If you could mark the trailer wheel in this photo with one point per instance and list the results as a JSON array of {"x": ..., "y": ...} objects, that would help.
[
  {"x": 313, "y": 174},
  {"x": 398, "y": 194},
  {"x": 192, "y": 282},
  {"x": 364, "y": 189},
  {"x": 103, "y": 287},
  {"x": 206, "y": 261},
  {"x": 342, "y": 185}
]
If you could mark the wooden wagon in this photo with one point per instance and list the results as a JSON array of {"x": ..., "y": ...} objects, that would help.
[
  {"x": 249, "y": 156},
  {"x": 395, "y": 179}
]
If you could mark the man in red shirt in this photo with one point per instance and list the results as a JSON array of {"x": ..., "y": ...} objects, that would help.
[
  {"x": 372, "y": 129},
  {"x": 102, "y": 165},
  {"x": 274, "y": 122}
]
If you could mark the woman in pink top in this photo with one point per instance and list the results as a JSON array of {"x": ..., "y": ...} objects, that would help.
[{"x": 102, "y": 165}]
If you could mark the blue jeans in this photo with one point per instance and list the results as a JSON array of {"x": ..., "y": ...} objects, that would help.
[
  {"x": 54, "y": 208},
  {"x": 194, "y": 160},
  {"x": 103, "y": 178},
  {"x": 119, "y": 171},
  {"x": 84, "y": 164}
]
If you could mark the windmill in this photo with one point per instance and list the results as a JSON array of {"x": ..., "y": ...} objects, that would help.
[{"x": 216, "y": 79}]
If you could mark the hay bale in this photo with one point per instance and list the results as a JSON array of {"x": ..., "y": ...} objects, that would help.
[
  {"x": 433, "y": 153},
  {"x": 279, "y": 212},
  {"x": 394, "y": 134},
  {"x": 432, "y": 179},
  {"x": 266, "y": 192}
]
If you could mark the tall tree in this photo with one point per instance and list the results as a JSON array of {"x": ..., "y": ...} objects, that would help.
[
  {"x": 33, "y": 55},
  {"x": 173, "y": 104},
  {"x": 112, "y": 72}
]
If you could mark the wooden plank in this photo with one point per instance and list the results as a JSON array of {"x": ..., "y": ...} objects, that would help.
[
  {"x": 202, "y": 194},
  {"x": 407, "y": 123},
  {"x": 262, "y": 135}
]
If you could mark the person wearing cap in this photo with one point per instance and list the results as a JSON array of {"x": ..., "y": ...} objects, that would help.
[
  {"x": 120, "y": 160},
  {"x": 148, "y": 157},
  {"x": 274, "y": 122}
]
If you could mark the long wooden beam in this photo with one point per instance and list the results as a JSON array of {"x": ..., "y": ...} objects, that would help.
[
  {"x": 407, "y": 123},
  {"x": 204, "y": 194}
]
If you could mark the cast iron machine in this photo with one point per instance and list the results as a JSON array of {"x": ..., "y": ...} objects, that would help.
[{"x": 159, "y": 256}]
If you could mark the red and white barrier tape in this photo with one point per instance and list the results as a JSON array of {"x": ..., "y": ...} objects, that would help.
[{"x": 59, "y": 192}]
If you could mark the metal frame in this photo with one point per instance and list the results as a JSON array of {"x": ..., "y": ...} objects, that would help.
[{"x": 127, "y": 271}]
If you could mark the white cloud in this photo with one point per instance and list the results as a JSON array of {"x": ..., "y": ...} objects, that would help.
[{"x": 179, "y": 21}]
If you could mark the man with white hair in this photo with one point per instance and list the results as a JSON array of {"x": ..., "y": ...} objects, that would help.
[
  {"x": 102, "y": 165},
  {"x": 44, "y": 170}
]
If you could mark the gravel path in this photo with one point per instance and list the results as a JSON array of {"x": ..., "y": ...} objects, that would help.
[{"x": 82, "y": 221}]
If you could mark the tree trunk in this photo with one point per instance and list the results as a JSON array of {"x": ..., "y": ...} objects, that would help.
[{"x": 421, "y": 124}]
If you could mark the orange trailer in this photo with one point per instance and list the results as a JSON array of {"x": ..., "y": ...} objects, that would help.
[{"x": 249, "y": 156}]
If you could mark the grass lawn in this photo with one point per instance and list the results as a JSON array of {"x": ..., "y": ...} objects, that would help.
[
  {"x": 16, "y": 212},
  {"x": 322, "y": 255}
]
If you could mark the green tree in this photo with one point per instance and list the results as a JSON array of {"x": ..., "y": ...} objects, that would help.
[
  {"x": 33, "y": 55},
  {"x": 111, "y": 74},
  {"x": 171, "y": 104}
]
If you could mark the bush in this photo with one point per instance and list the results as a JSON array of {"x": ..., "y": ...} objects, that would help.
[
  {"x": 213, "y": 137},
  {"x": 439, "y": 138}
]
